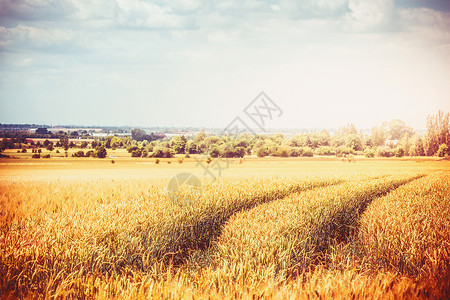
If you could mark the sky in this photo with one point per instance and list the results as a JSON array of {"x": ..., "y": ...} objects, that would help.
[{"x": 200, "y": 63}]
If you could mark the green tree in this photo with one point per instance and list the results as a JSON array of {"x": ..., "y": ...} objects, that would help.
[
  {"x": 262, "y": 151},
  {"x": 443, "y": 150},
  {"x": 378, "y": 136},
  {"x": 417, "y": 147},
  {"x": 178, "y": 144},
  {"x": 64, "y": 141},
  {"x": 214, "y": 152},
  {"x": 354, "y": 142},
  {"x": 101, "y": 152},
  {"x": 239, "y": 151}
]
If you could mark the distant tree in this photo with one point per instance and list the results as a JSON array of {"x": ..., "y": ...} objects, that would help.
[
  {"x": 78, "y": 154},
  {"x": 296, "y": 151},
  {"x": 325, "y": 150},
  {"x": 378, "y": 136},
  {"x": 400, "y": 151},
  {"x": 101, "y": 152},
  {"x": 228, "y": 150},
  {"x": 140, "y": 135},
  {"x": 46, "y": 143},
  {"x": 136, "y": 153},
  {"x": 64, "y": 141},
  {"x": 396, "y": 129},
  {"x": 284, "y": 151},
  {"x": 178, "y": 144},
  {"x": 354, "y": 141},
  {"x": 443, "y": 150},
  {"x": 214, "y": 152},
  {"x": 417, "y": 147},
  {"x": 50, "y": 147},
  {"x": 83, "y": 145},
  {"x": 437, "y": 132},
  {"x": 384, "y": 151},
  {"x": 369, "y": 153},
  {"x": 162, "y": 152},
  {"x": 240, "y": 152},
  {"x": 42, "y": 131},
  {"x": 262, "y": 151},
  {"x": 108, "y": 141},
  {"x": 347, "y": 129},
  {"x": 191, "y": 147}
]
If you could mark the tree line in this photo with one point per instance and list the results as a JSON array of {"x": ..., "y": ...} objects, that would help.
[{"x": 393, "y": 138}]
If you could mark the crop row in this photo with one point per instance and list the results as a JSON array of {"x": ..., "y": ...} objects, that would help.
[{"x": 274, "y": 239}]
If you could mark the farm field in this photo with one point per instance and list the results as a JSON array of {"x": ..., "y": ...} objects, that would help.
[{"x": 266, "y": 228}]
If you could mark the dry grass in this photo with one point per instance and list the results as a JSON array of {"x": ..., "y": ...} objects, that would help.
[{"x": 275, "y": 237}]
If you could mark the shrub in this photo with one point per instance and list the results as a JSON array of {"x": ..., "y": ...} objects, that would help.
[
  {"x": 215, "y": 152},
  {"x": 101, "y": 152},
  {"x": 369, "y": 153},
  {"x": 157, "y": 161},
  {"x": 46, "y": 156},
  {"x": 132, "y": 148},
  {"x": 36, "y": 156},
  {"x": 262, "y": 151},
  {"x": 78, "y": 154},
  {"x": 90, "y": 153},
  {"x": 283, "y": 151},
  {"x": 239, "y": 152},
  {"x": 296, "y": 151},
  {"x": 399, "y": 151},
  {"x": 385, "y": 152},
  {"x": 208, "y": 160},
  {"x": 136, "y": 153},
  {"x": 180, "y": 160},
  {"x": 163, "y": 152},
  {"x": 24, "y": 150},
  {"x": 342, "y": 150},
  {"x": 325, "y": 150},
  {"x": 307, "y": 152}
]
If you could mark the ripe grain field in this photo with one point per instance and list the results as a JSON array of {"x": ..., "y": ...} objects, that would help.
[{"x": 89, "y": 228}]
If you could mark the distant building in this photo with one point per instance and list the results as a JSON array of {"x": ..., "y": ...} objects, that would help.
[{"x": 391, "y": 142}]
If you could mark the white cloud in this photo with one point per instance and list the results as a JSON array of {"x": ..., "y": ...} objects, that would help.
[
  {"x": 426, "y": 24},
  {"x": 314, "y": 8},
  {"x": 370, "y": 15}
]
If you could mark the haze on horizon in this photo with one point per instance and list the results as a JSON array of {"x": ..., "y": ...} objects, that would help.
[{"x": 199, "y": 63}]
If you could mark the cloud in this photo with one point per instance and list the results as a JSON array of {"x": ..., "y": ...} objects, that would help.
[
  {"x": 140, "y": 14},
  {"x": 314, "y": 8},
  {"x": 426, "y": 24},
  {"x": 42, "y": 39},
  {"x": 29, "y": 10},
  {"x": 370, "y": 16}
]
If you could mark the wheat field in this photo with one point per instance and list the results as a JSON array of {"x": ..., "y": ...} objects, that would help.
[{"x": 264, "y": 229}]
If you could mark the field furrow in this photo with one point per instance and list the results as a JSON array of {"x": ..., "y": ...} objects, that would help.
[
  {"x": 294, "y": 232},
  {"x": 408, "y": 231},
  {"x": 97, "y": 237}
]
